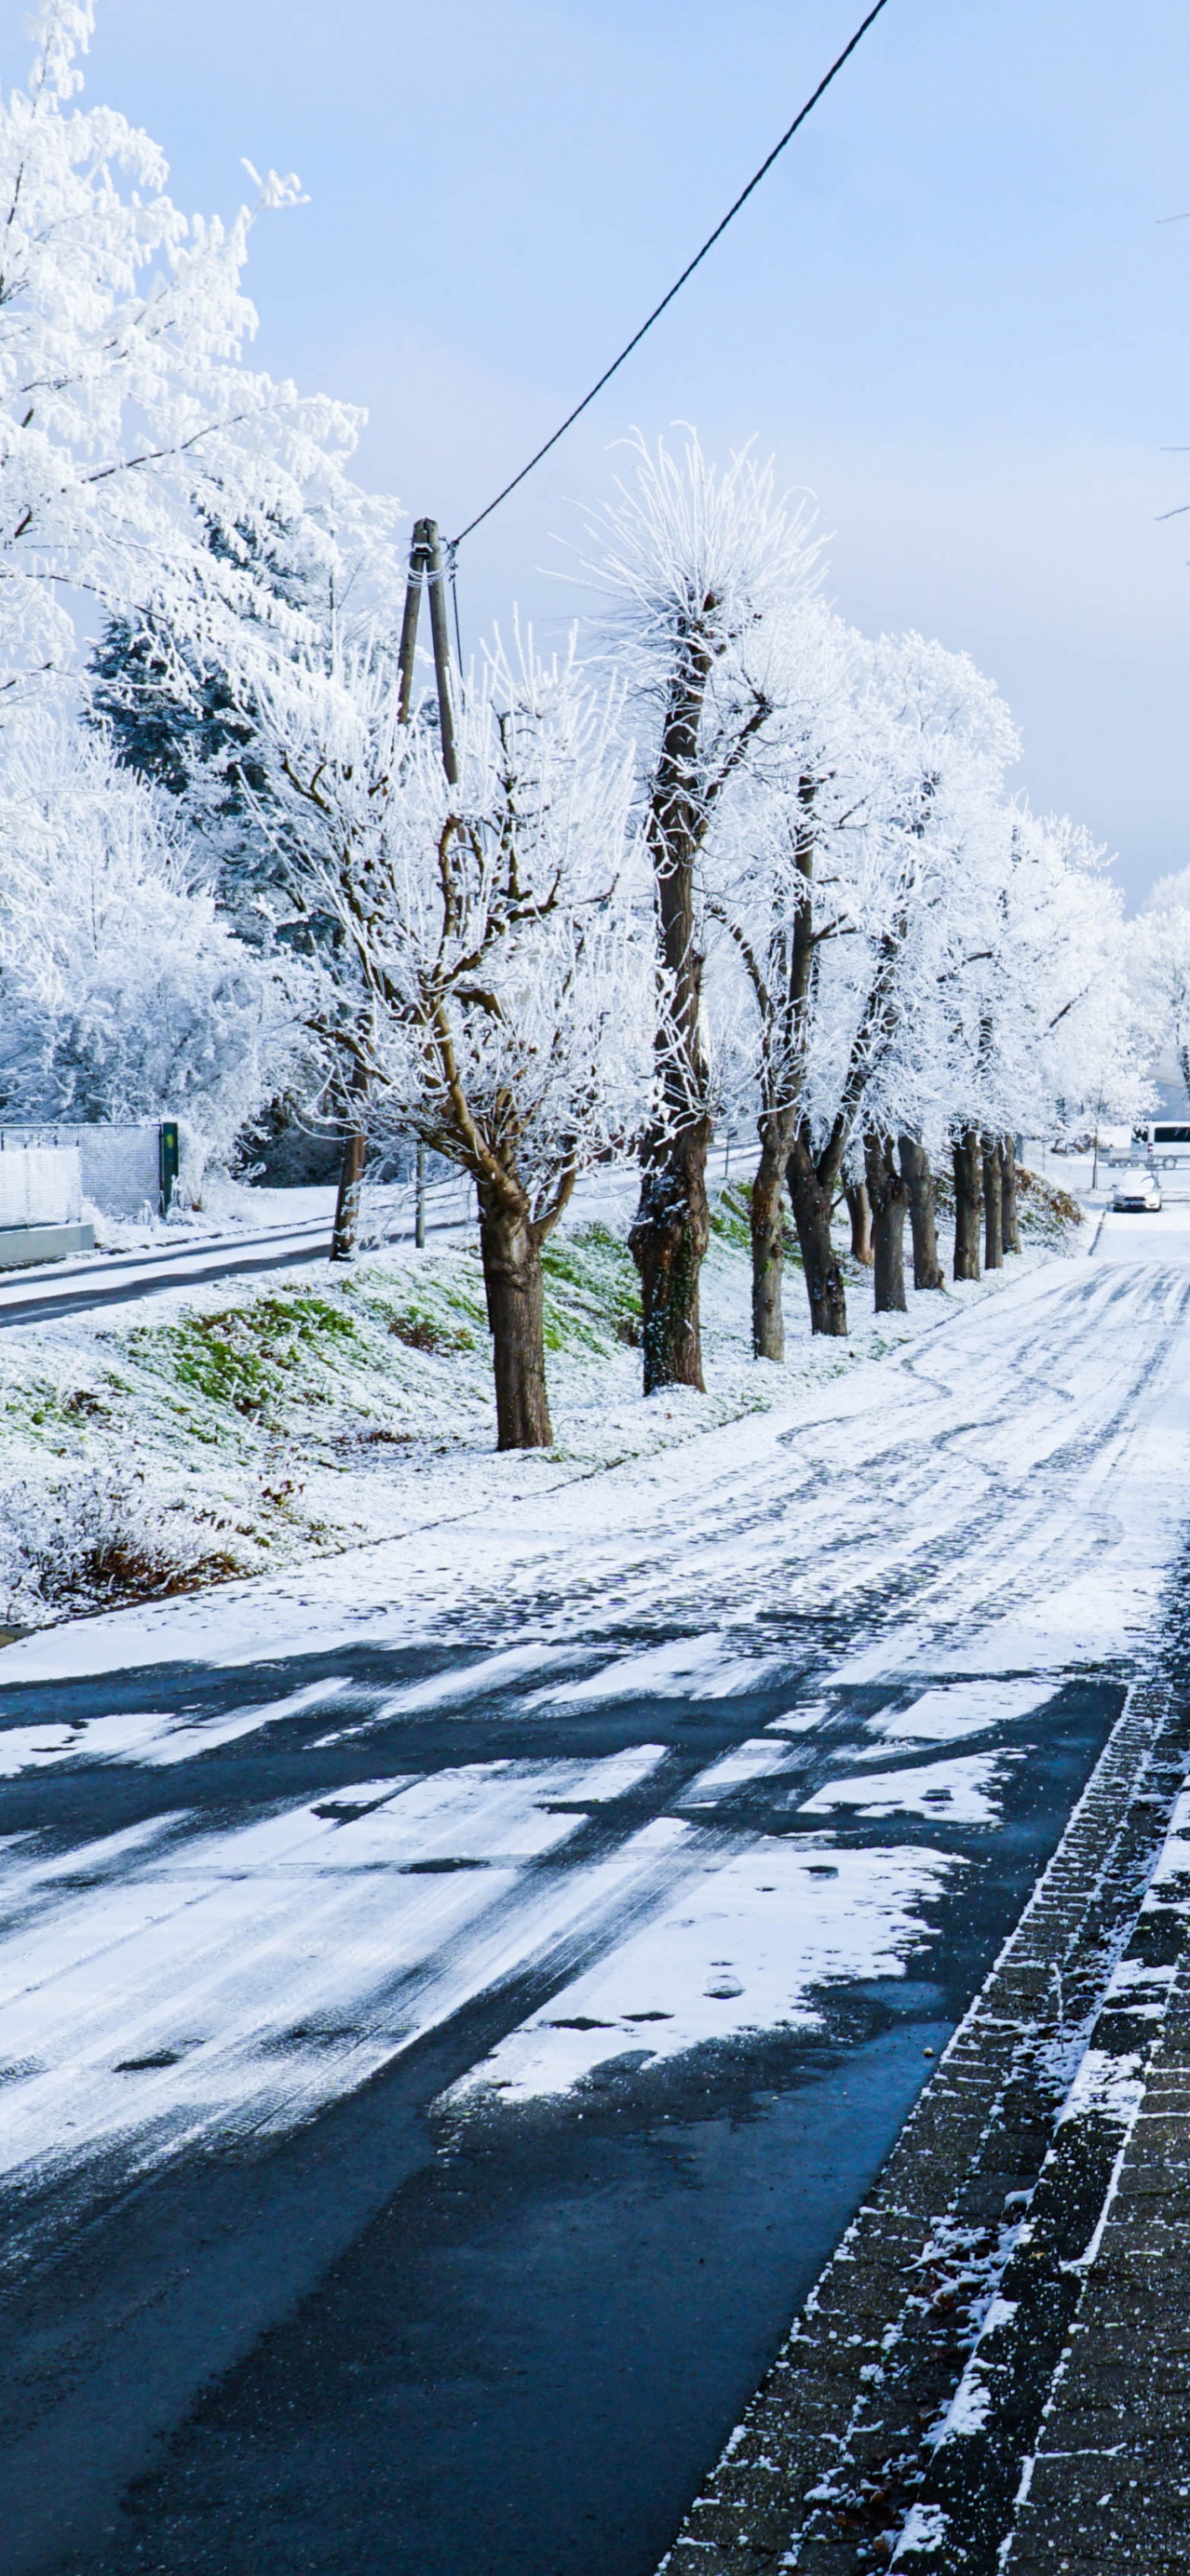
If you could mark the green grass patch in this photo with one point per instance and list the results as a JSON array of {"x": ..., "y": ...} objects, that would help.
[
  {"x": 422, "y": 1330},
  {"x": 248, "y": 1359},
  {"x": 730, "y": 1213},
  {"x": 592, "y": 1291}
]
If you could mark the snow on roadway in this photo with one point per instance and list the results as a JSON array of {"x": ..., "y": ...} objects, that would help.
[
  {"x": 957, "y": 1793},
  {"x": 743, "y": 1946},
  {"x": 991, "y": 1509}
]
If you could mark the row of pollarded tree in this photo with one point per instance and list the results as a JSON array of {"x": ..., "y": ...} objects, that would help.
[
  {"x": 735, "y": 855},
  {"x": 900, "y": 1183}
]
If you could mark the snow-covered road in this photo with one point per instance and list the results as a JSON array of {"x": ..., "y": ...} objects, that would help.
[
  {"x": 691, "y": 1783},
  {"x": 124, "y": 1279}
]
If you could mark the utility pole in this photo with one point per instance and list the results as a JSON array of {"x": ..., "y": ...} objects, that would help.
[
  {"x": 417, "y": 567},
  {"x": 441, "y": 642},
  {"x": 425, "y": 572},
  {"x": 425, "y": 565}
]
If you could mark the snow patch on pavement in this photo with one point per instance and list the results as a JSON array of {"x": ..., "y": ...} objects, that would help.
[
  {"x": 705, "y": 1667},
  {"x": 953, "y": 1793},
  {"x": 1112, "y": 2086},
  {"x": 753, "y": 1760},
  {"x": 742, "y": 1947},
  {"x": 960, "y": 1708}
]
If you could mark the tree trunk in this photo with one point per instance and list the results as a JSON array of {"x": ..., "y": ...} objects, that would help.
[
  {"x": 860, "y": 1212},
  {"x": 812, "y": 1199},
  {"x": 1010, "y": 1228},
  {"x": 968, "y": 1203},
  {"x": 888, "y": 1197},
  {"x": 993, "y": 1205},
  {"x": 512, "y": 1282},
  {"x": 768, "y": 1236},
  {"x": 668, "y": 1240},
  {"x": 351, "y": 1176},
  {"x": 919, "y": 1182},
  {"x": 670, "y": 1231}
]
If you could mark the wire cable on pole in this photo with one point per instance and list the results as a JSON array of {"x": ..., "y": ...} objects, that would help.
[{"x": 679, "y": 283}]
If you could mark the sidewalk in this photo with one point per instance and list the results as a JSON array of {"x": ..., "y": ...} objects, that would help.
[
  {"x": 994, "y": 2371},
  {"x": 1108, "y": 2483}
]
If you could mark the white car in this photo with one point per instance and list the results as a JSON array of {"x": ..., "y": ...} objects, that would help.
[{"x": 1136, "y": 1191}]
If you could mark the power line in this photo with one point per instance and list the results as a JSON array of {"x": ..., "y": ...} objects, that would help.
[{"x": 676, "y": 288}]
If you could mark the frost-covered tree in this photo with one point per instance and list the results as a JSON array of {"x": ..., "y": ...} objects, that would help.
[
  {"x": 695, "y": 566},
  {"x": 1018, "y": 1002},
  {"x": 122, "y": 995},
  {"x": 129, "y": 423},
  {"x": 952, "y": 741},
  {"x": 1068, "y": 1026},
  {"x": 780, "y": 878},
  {"x": 1158, "y": 955},
  {"x": 848, "y": 842},
  {"x": 488, "y": 986}
]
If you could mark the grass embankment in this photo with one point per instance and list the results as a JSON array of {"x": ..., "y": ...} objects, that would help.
[{"x": 235, "y": 1431}]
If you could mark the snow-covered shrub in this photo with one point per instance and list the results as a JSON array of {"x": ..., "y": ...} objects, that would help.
[
  {"x": 123, "y": 995},
  {"x": 1047, "y": 1214},
  {"x": 84, "y": 1536}
]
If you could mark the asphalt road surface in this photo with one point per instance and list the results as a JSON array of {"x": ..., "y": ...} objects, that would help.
[{"x": 447, "y": 2031}]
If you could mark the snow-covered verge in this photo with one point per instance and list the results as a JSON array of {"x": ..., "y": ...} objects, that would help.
[
  {"x": 228, "y": 1207},
  {"x": 227, "y": 1433}
]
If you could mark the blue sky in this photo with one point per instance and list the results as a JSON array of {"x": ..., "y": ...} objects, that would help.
[{"x": 952, "y": 311}]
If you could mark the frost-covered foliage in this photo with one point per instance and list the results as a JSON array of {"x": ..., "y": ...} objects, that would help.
[
  {"x": 325, "y": 573},
  {"x": 952, "y": 742},
  {"x": 488, "y": 984},
  {"x": 1066, "y": 1029},
  {"x": 691, "y": 556},
  {"x": 122, "y": 994},
  {"x": 921, "y": 952},
  {"x": 131, "y": 427},
  {"x": 1158, "y": 963}
]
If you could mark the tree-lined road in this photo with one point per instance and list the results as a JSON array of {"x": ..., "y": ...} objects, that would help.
[{"x": 459, "y": 1996}]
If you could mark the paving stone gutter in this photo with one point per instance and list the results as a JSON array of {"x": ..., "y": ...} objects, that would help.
[{"x": 992, "y": 2376}]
